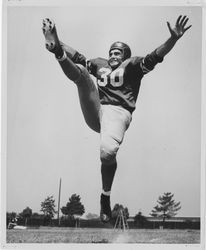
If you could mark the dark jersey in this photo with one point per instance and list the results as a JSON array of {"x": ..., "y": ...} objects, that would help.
[{"x": 120, "y": 86}]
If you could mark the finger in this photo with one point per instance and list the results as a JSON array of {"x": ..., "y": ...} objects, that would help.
[
  {"x": 183, "y": 19},
  {"x": 185, "y": 22},
  {"x": 168, "y": 25},
  {"x": 178, "y": 19},
  {"x": 187, "y": 28}
]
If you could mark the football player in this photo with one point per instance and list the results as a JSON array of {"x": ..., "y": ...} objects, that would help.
[{"x": 108, "y": 108}]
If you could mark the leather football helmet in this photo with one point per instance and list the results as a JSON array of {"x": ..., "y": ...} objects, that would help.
[{"x": 123, "y": 47}]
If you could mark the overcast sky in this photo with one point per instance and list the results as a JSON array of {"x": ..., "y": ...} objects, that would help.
[{"x": 47, "y": 137}]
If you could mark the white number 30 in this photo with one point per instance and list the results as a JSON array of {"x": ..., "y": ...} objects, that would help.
[{"x": 115, "y": 78}]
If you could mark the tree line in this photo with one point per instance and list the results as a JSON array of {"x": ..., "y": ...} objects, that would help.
[{"x": 72, "y": 211}]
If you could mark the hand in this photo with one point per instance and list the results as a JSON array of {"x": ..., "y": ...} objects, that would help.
[{"x": 179, "y": 28}]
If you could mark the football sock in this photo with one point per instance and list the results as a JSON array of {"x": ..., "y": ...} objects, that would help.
[
  {"x": 108, "y": 172},
  {"x": 62, "y": 58},
  {"x": 59, "y": 52}
]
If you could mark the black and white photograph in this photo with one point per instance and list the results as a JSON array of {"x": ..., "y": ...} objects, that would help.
[{"x": 102, "y": 124}]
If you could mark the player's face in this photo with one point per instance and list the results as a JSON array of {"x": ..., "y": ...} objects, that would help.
[{"x": 115, "y": 58}]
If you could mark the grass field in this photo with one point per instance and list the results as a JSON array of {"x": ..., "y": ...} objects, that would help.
[{"x": 95, "y": 235}]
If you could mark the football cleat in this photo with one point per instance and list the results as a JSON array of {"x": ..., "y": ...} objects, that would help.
[
  {"x": 123, "y": 47},
  {"x": 50, "y": 33},
  {"x": 105, "y": 212}
]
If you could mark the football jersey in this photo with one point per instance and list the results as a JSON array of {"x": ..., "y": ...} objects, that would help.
[{"x": 121, "y": 85}]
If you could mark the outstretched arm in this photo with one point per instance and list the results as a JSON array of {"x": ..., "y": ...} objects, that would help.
[{"x": 176, "y": 33}]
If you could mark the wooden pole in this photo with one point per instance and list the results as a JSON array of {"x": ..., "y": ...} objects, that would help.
[{"x": 59, "y": 200}]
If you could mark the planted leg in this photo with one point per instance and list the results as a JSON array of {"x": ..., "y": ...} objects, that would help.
[{"x": 114, "y": 122}]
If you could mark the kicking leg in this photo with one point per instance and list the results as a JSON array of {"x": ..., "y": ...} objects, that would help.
[
  {"x": 53, "y": 44},
  {"x": 89, "y": 99},
  {"x": 88, "y": 94}
]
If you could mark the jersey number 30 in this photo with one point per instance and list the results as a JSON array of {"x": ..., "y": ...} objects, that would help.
[{"x": 115, "y": 78}]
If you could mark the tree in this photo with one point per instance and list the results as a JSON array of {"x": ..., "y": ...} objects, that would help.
[
  {"x": 73, "y": 207},
  {"x": 11, "y": 215},
  {"x": 26, "y": 213},
  {"x": 48, "y": 208},
  {"x": 116, "y": 209},
  {"x": 35, "y": 215},
  {"x": 166, "y": 207},
  {"x": 140, "y": 220}
]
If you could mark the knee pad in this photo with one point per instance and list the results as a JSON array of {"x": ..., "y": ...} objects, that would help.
[{"x": 108, "y": 150}]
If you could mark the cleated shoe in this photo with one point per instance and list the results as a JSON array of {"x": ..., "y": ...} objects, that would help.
[
  {"x": 51, "y": 39},
  {"x": 105, "y": 213}
]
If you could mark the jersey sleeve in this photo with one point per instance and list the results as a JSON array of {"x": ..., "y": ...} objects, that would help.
[{"x": 148, "y": 62}]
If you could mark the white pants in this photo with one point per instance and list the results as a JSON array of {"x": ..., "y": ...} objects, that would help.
[{"x": 114, "y": 121}]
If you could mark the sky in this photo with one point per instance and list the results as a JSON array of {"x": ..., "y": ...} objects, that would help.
[{"x": 47, "y": 138}]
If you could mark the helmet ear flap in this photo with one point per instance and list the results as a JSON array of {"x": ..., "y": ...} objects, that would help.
[{"x": 123, "y": 47}]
